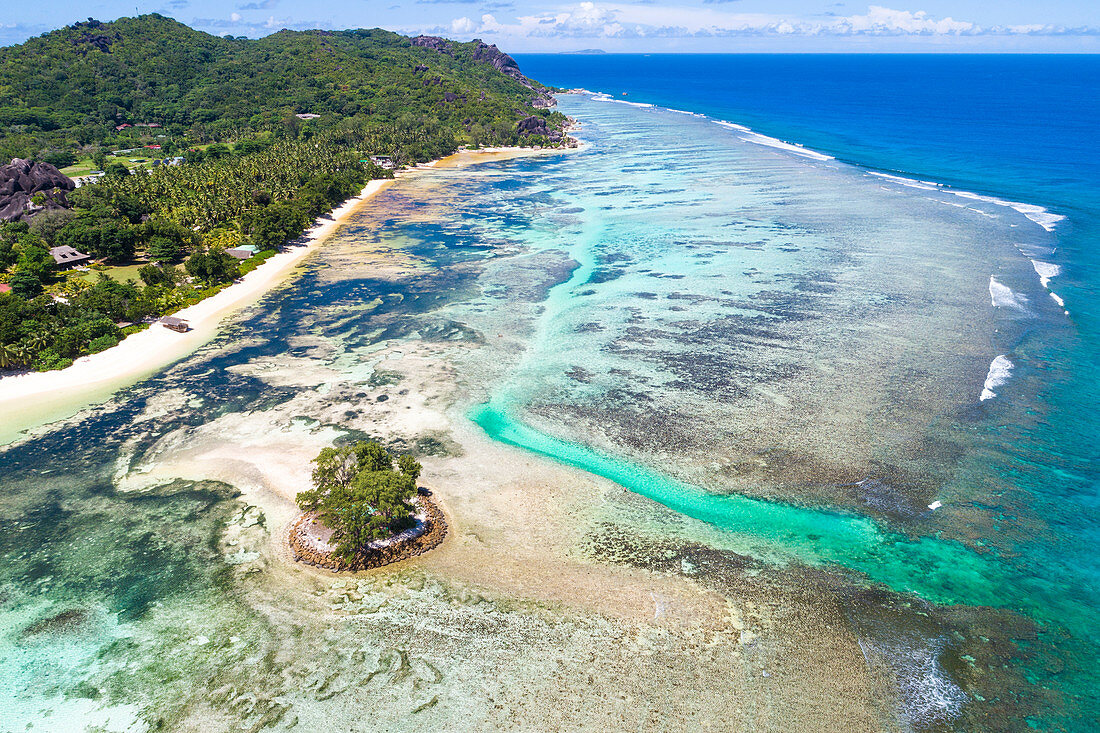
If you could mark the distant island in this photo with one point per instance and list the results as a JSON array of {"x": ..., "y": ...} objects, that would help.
[
  {"x": 152, "y": 164},
  {"x": 591, "y": 51}
]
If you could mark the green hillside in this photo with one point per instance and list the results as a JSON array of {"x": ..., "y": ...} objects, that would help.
[
  {"x": 208, "y": 159},
  {"x": 64, "y": 93}
]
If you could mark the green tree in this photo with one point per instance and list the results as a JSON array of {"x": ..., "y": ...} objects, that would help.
[
  {"x": 117, "y": 169},
  {"x": 212, "y": 266},
  {"x": 277, "y": 224},
  {"x": 409, "y": 466},
  {"x": 359, "y": 496},
  {"x": 25, "y": 284},
  {"x": 34, "y": 259},
  {"x": 164, "y": 249},
  {"x": 158, "y": 275},
  {"x": 48, "y": 223}
]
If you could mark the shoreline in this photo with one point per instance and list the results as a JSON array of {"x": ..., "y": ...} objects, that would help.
[
  {"x": 35, "y": 398},
  {"x": 32, "y": 399}
]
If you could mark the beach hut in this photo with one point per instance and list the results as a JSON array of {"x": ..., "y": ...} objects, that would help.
[
  {"x": 175, "y": 324},
  {"x": 65, "y": 257}
]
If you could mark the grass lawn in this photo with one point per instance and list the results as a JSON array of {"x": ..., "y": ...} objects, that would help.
[
  {"x": 120, "y": 274},
  {"x": 79, "y": 168}
]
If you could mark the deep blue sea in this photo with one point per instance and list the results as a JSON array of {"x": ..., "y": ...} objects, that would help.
[{"x": 1015, "y": 127}]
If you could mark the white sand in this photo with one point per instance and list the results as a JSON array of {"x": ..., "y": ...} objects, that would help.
[{"x": 35, "y": 397}]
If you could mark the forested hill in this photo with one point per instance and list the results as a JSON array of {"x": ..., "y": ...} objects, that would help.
[
  {"x": 201, "y": 156},
  {"x": 70, "y": 89}
]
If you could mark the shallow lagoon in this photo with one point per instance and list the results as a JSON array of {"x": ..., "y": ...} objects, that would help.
[{"x": 785, "y": 353}]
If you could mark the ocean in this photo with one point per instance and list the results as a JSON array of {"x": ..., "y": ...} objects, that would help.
[
  {"x": 768, "y": 408},
  {"x": 1016, "y": 129}
]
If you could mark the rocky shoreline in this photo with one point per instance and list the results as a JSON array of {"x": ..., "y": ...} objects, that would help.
[{"x": 435, "y": 530}]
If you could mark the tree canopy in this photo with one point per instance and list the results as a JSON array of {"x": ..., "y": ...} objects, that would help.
[
  {"x": 359, "y": 494},
  {"x": 104, "y": 83}
]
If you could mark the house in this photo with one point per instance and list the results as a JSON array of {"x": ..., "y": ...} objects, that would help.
[
  {"x": 243, "y": 252},
  {"x": 307, "y": 116},
  {"x": 122, "y": 127},
  {"x": 382, "y": 161},
  {"x": 175, "y": 324},
  {"x": 66, "y": 257},
  {"x": 5, "y": 288}
]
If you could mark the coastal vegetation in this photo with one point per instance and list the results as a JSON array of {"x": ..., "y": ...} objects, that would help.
[
  {"x": 361, "y": 495},
  {"x": 207, "y": 145}
]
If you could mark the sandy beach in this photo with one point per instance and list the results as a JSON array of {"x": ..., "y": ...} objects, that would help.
[{"x": 34, "y": 398}]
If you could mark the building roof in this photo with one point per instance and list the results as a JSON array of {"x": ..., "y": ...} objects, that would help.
[
  {"x": 66, "y": 255},
  {"x": 5, "y": 288},
  {"x": 173, "y": 321}
]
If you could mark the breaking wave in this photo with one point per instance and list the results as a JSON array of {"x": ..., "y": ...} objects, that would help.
[
  {"x": 1004, "y": 296},
  {"x": 1046, "y": 219},
  {"x": 1000, "y": 369}
]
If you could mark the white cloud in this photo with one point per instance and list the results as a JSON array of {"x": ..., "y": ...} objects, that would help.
[
  {"x": 464, "y": 25},
  {"x": 619, "y": 20},
  {"x": 235, "y": 17},
  {"x": 879, "y": 20}
]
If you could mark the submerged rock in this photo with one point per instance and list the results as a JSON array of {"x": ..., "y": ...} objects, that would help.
[{"x": 64, "y": 622}]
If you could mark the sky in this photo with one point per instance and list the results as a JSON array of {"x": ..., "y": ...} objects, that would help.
[{"x": 657, "y": 26}]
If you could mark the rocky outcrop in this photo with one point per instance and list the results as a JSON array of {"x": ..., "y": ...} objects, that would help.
[
  {"x": 435, "y": 530},
  {"x": 20, "y": 183},
  {"x": 489, "y": 54},
  {"x": 535, "y": 125},
  {"x": 442, "y": 45}
]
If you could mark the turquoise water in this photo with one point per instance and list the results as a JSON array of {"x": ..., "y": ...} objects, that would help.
[{"x": 685, "y": 202}]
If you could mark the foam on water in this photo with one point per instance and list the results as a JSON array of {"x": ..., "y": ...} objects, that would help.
[
  {"x": 1004, "y": 297},
  {"x": 604, "y": 97},
  {"x": 908, "y": 182},
  {"x": 771, "y": 142},
  {"x": 1046, "y": 271},
  {"x": 731, "y": 125},
  {"x": 1000, "y": 369},
  {"x": 1046, "y": 219}
]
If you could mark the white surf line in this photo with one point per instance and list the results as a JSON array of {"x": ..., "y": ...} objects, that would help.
[
  {"x": 1046, "y": 271},
  {"x": 748, "y": 134},
  {"x": 1004, "y": 296},
  {"x": 1000, "y": 369},
  {"x": 1046, "y": 219}
]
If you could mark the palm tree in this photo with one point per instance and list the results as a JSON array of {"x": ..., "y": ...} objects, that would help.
[{"x": 7, "y": 356}]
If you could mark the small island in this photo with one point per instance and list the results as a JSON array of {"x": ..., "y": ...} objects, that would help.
[{"x": 364, "y": 510}]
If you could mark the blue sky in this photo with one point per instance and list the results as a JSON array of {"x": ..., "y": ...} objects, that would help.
[{"x": 625, "y": 25}]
